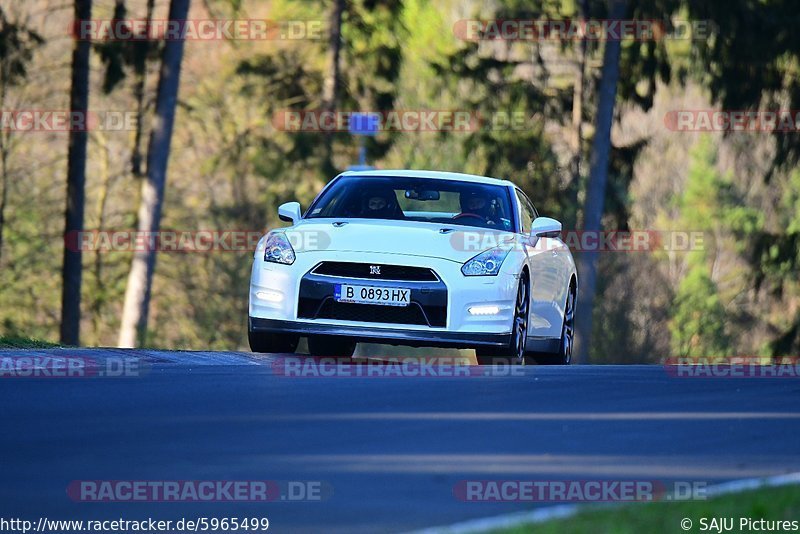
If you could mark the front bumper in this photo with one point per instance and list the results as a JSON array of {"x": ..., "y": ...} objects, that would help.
[
  {"x": 276, "y": 292},
  {"x": 390, "y": 336}
]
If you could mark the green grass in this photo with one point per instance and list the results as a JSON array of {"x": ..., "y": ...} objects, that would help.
[
  {"x": 17, "y": 342},
  {"x": 771, "y": 504}
]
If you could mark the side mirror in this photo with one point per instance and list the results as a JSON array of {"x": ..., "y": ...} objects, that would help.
[
  {"x": 289, "y": 212},
  {"x": 545, "y": 227}
]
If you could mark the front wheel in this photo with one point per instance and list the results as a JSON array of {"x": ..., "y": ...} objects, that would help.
[
  {"x": 515, "y": 353},
  {"x": 271, "y": 342},
  {"x": 564, "y": 354}
]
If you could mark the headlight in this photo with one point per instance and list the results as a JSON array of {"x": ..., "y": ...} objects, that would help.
[
  {"x": 486, "y": 263},
  {"x": 277, "y": 249}
]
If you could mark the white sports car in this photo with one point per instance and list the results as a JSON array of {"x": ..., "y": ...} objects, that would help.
[{"x": 416, "y": 258}]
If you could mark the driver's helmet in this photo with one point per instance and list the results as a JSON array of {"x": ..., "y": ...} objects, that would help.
[
  {"x": 378, "y": 203},
  {"x": 475, "y": 202}
]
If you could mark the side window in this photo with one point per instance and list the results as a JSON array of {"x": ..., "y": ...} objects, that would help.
[
  {"x": 530, "y": 205},
  {"x": 526, "y": 212},
  {"x": 533, "y": 208}
]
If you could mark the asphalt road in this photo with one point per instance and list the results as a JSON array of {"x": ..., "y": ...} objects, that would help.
[{"x": 388, "y": 451}]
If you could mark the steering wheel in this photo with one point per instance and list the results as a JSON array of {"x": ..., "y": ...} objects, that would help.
[
  {"x": 473, "y": 215},
  {"x": 476, "y": 216}
]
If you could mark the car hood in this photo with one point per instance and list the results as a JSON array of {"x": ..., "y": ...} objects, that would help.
[{"x": 443, "y": 241}]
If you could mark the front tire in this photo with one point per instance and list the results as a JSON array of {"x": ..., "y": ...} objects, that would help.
[
  {"x": 333, "y": 346},
  {"x": 564, "y": 354},
  {"x": 515, "y": 353},
  {"x": 271, "y": 342}
]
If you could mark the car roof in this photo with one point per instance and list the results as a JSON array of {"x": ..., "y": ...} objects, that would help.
[{"x": 436, "y": 175}]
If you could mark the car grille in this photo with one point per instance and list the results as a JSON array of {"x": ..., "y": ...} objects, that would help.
[
  {"x": 373, "y": 313},
  {"x": 388, "y": 272}
]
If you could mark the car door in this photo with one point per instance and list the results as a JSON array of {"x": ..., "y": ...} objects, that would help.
[{"x": 544, "y": 265}]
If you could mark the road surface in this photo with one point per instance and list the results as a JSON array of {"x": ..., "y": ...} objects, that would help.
[{"x": 387, "y": 451}]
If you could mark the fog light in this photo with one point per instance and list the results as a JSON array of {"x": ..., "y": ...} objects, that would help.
[
  {"x": 269, "y": 296},
  {"x": 484, "y": 310}
]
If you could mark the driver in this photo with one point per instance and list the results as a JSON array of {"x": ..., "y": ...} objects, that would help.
[
  {"x": 477, "y": 203},
  {"x": 379, "y": 205}
]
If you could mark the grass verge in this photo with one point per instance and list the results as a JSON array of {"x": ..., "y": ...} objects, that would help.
[
  {"x": 17, "y": 342},
  {"x": 770, "y": 504}
]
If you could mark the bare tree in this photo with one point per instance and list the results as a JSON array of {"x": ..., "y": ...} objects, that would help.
[
  {"x": 140, "y": 278},
  {"x": 596, "y": 188},
  {"x": 17, "y": 43},
  {"x": 578, "y": 104},
  {"x": 139, "y": 94},
  {"x": 331, "y": 83},
  {"x": 76, "y": 183},
  {"x": 332, "y": 80}
]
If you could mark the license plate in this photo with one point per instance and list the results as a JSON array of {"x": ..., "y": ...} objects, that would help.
[{"x": 384, "y": 296}]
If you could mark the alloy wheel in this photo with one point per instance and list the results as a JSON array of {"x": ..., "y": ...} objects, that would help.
[
  {"x": 521, "y": 322},
  {"x": 568, "y": 337}
]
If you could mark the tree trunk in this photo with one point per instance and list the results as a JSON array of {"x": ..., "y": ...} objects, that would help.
[
  {"x": 577, "y": 109},
  {"x": 596, "y": 189},
  {"x": 332, "y": 81},
  {"x": 5, "y": 141},
  {"x": 140, "y": 279},
  {"x": 3, "y": 184},
  {"x": 330, "y": 88},
  {"x": 139, "y": 95},
  {"x": 100, "y": 296},
  {"x": 76, "y": 183}
]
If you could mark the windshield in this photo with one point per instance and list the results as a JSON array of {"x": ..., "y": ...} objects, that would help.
[{"x": 416, "y": 199}]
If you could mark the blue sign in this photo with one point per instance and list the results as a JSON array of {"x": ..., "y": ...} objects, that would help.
[{"x": 365, "y": 123}]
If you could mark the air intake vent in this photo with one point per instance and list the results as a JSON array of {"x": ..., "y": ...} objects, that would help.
[{"x": 375, "y": 271}]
